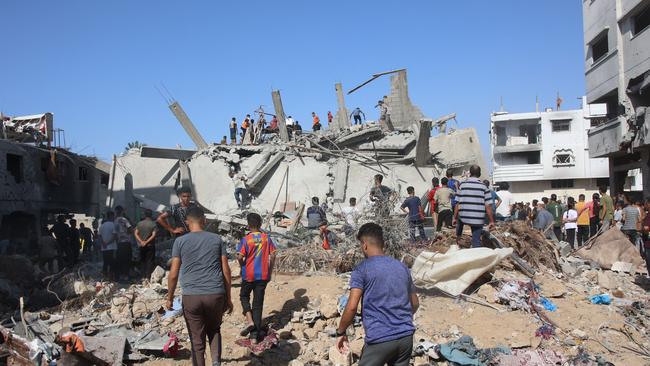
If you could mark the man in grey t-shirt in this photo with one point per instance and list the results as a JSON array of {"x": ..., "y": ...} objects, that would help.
[{"x": 201, "y": 259}]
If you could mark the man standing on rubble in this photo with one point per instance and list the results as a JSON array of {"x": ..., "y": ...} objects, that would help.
[
  {"x": 256, "y": 256},
  {"x": 244, "y": 127},
  {"x": 350, "y": 214},
  {"x": 233, "y": 131},
  {"x": 145, "y": 234},
  {"x": 474, "y": 203},
  {"x": 123, "y": 230},
  {"x": 315, "y": 214},
  {"x": 201, "y": 260},
  {"x": 87, "y": 240},
  {"x": 606, "y": 212},
  {"x": 330, "y": 118},
  {"x": 431, "y": 197},
  {"x": 108, "y": 244},
  {"x": 389, "y": 302},
  {"x": 452, "y": 183},
  {"x": 380, "y": 195},
  {"x": 583, "y": 220},
  {"x": 555, "y": 208},
  {"x": 413, "y": 207},
  {"x": 241, "y": 192},
  {"x": 75, "y": 241},
  {"x": 178, "y": 212},
  {"x": 443, "y": 198},
  {"x": 61, "y": 232},
  {"x": 543, "y": 219},
  {"x": 356, "y": 114},
  {"x": 316, "y": 124}
]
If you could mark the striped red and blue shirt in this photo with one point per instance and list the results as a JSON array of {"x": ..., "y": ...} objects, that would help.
[{"x": 256, "y": 249}]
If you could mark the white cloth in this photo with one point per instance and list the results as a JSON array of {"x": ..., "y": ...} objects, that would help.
[
  {"x": 506, "y": 202},
  {"x": 351, "y": 214},
  {"x": 106, "y": 232},
  {"x": 572, "y": 217},
  {"x": 239, "y": 180},
  {"x": 122, "y": 226},
  {"x": 289, "y": 121}
]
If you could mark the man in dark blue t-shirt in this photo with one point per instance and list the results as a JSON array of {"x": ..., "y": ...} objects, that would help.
[
  {"x": 389, "y": 302},
  {"x": 413, "y": 206}
]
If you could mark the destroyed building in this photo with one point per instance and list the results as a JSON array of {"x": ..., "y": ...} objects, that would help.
[
  {"x": 617, "y": 73},
  {"x": 40, "y": 180},
  {"x": 337, "y": 163},
  {"x": 539, "y": 153}
]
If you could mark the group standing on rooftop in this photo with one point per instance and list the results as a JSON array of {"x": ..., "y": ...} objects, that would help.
[{"x": 250, "y": 131}]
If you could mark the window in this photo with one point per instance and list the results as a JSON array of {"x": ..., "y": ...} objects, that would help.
[
  {"x": 602, "y": 182},
  {"x": 83, "y": 174},
  {"x": 15, "y": 166},
  {"x": 103, "y": 179},
  {"x": 641, "y": 21},
  {"x": 564, "y": 157},
  {"x": 599, "y": 48},
  {"x": 560, "y": 125},
  {"x": 562, "y": 183}
]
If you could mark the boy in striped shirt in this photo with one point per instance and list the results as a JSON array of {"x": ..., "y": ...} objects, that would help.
[
  {"x": 474, "y": 201},
  {"x": 256, "y": 256}
]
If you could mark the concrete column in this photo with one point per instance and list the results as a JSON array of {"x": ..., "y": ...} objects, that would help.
[
  {"x": 343, "y": 120},
  {"x": 422, "y": 151},
  {"x": 645, "y": 171},
  {"x": 279, "y": 114},
  {"x": 188, "y": 125}
]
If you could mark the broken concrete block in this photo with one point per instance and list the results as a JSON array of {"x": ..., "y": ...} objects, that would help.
[
  {"x": 157, "y": 274},
  {"x": 580, "y": 334},
  {"x": 329, "y": 307},
  {"x": 624, "y": 267},
  {"x": 564, "y": 248},
  {"x": 81, "y": 288},
  {"x": 570, "y": 269},
  {"x": 338, "y": 359},
  {"x": 606, "y": 280}
]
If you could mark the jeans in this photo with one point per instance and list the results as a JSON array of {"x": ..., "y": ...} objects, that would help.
[
  {"x": 396, "y": 352},
  {"x": 444, "y": 217},
  {"x": 108, "y": 265},
  {"x": 571, "y": 236},
  {"x": 258, "y": 288},
  {"x": 357, "y": 120},
  {"x": 241, "y": 196},
  {"x": 476, "y": 233},
  {"x": 594, "y": 225},
  {"x": 148, "y": 259},
  {"x": 583, "y": 234},
  {"x": 123, "y": 259},
  {"x": 203, "y": 314},
  {"x": 417, "y": 223}
]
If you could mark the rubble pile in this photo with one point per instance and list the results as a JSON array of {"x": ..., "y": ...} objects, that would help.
[{"x": 529, "y": 244}]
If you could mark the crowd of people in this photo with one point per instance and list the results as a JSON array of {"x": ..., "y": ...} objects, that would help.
[
  {"x": 250, "y": 131},
  {"x": 200, "y": 260}
]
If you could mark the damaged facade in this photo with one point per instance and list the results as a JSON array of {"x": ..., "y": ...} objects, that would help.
[
  {"x": 39, "y": 182},
  {"x": 337, "y": 163},
  {"x": 617, "y": 72},
  {"x": 540, "y": 153}
]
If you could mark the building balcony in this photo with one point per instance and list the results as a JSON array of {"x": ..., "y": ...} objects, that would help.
[
  {"x": 516, "y": 148},
  {"x": 605, "y": 139},
  {"x": 517, "y": 173}
]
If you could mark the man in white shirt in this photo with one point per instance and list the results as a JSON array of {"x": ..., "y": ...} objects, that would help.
[
  {"x": 289, "y": 121},
  {"x": 241, "y": 192},
  {"x": 108, "y": 241},
  {"x": 351, "y": 214},
  {"x": 504, "y": 209}
]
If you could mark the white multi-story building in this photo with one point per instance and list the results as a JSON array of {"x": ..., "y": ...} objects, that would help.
[
  {"x": 541, "y": 153},
  {"x": 617, "y": 73}
]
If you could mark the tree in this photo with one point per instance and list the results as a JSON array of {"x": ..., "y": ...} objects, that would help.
[{"x": 134, "y": 145}]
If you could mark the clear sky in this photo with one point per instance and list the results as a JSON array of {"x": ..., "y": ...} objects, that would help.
[{"x": 94, "y": 64}]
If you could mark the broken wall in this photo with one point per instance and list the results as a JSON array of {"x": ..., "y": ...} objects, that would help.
[{"x": 459, "y": 149}]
